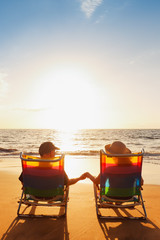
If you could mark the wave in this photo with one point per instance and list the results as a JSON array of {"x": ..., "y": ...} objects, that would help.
[
  {"x": 145, "y": 137},
  {"x": 16, "y": 152},
  {"x": 151, "y": 154},
  {"x": 78, "y": 153},
  {"x": 8, "y": 150},
  {"x": 83, "y": 153}
]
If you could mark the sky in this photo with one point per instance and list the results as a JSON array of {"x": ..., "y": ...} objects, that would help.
[{"x": 68, "y": 64}]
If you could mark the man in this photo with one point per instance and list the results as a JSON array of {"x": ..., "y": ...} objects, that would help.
[{"x": 47, "y": 150}]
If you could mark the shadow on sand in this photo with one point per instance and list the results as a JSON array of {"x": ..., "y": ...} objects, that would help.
[
  {"x": 129, "y": 229},
  {"x": 37, "y": 228}
]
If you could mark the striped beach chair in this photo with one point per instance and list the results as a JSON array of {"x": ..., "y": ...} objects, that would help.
[
  {"x": 120, "y": 183},
  {"x": 43, "y": 184}
]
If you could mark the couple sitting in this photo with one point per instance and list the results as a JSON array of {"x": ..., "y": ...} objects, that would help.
[{"x": 47, "y": 150}]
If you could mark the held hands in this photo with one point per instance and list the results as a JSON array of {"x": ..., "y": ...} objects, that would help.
[
  {"x": 83, "y": 176},
  {"x": 86, "y": 175}
]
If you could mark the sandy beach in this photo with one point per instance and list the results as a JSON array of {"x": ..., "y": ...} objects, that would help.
[{"x": 81, "y": 221}]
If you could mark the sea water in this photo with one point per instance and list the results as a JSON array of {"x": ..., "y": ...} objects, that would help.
[
  {"x": 81, "y": 147},
  {"x": 85, "y": 142}
]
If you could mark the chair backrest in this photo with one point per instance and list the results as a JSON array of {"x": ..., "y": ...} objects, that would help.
[
  {"x": 43, "y": 177},
  {"x": 120, "y": 174}
]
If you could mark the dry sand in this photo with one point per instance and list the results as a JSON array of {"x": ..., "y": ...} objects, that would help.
[{"x": 81, "y": 221}]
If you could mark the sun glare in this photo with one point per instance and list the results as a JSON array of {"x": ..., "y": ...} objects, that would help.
[{"x": 65, "y": 95}]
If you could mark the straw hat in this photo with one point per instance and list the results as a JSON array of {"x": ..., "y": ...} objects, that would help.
[{"x": 117, "y": 147}]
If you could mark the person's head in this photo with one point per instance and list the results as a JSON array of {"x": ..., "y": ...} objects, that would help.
[
  {"x": 117, "y": 147},
  {"x": 47, "y": 150}
]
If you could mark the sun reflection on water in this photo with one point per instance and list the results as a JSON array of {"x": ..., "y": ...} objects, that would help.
[
  {"x": 67, "y": 143},
  {"x": 75, "y": 165}
]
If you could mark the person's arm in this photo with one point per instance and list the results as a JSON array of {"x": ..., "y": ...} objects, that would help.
[
  {"x": 95, "y": 180},
  {"x": 142, "y": 182},
  {"x": 75, "y": 180},
  {"x": 21, "y": 177}
]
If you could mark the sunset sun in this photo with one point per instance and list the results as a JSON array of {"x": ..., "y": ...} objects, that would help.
[{"x": 69, "y": 95}]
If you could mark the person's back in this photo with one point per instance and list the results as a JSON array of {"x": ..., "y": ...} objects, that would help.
[
  {"x": 47, "y": 150},
  {"x": 116, "y": 147}
]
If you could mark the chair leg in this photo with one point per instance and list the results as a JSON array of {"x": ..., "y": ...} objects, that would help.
[
  {"x": 19, "y": 206},
  {"x": 143, "y": 206},
  {"x": 67, "y": 193},
  {"x": 95, "y": 195}
]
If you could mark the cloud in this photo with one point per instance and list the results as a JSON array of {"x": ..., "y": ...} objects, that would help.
[
  {"x": 3, "y": 84},
  {"x": 89, "y": 6},
  {"x": 99, "y": 19}
]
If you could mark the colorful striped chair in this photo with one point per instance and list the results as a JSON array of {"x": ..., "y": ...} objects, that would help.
[
  {"x": 43, "y": 183},
  {"x": 120, "y": 183}
]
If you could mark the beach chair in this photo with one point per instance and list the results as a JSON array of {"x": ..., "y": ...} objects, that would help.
[
  {"x": 43, "y": 184},
  {"x": 120, "y": 185}
]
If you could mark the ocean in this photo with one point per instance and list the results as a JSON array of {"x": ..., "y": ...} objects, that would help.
[
  {"x": 81, "y": 147},
  {"x": 81, "y": 143}
]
